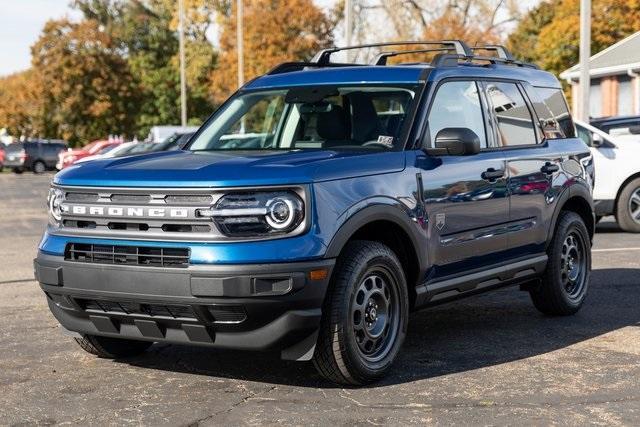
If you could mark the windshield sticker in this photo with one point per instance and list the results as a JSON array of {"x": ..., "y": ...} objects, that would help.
[{"x": 385, "y": 140}]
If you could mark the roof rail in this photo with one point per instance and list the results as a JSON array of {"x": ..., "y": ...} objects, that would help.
[
  {"x": 449, "y": 60},
  {"x": 324, "y": 56},
  {"x": 288, "y": 67},
  {"x": 501, "y": 51},
  {"x": 381, "y": 58}
]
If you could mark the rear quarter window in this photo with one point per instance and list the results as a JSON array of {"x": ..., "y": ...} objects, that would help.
[{"x": 551, "y": 108}]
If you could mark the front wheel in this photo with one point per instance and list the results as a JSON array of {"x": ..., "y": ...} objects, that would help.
[
  {"x": 112, "y": 348},
  {"x": 39, "y": 167},
  {"x": 365, "y": 315},
  {"x": 566, "y": 279}
]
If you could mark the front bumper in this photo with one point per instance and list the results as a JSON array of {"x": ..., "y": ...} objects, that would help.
[{"x": 251, "y": 307}]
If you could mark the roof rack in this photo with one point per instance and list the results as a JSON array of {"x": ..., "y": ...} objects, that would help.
[
  {"x": 381, "y": 58},
  {"x": 451, "y": 53},
  {"x": 324, "y": 56},
  {"x": 501, "y": 51},
  {"x": 449, "y": 60}
]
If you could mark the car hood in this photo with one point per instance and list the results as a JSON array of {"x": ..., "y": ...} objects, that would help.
[{"x": 229, "y": 169}]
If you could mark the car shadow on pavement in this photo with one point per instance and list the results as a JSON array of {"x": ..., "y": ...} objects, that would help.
[{"x": 478, "y": 332}]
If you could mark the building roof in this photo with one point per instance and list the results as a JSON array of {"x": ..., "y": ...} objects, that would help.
[{"x": 616, "y": 59}]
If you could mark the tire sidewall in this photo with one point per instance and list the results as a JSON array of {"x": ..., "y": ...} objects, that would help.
[
  {"x": 375, "y": 262},
  {"x": 573, "y": 225},
  {"x": 623, "y": 216},
  {"x": 39, "y": 167}
]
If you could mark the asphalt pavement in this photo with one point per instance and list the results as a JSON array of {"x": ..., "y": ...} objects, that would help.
[{"x": 490, "y": 359}]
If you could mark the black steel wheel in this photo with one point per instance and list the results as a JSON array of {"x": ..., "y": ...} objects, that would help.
[
  {"x": 566, "y": 280},
  {"x": 365, "y": 315}
]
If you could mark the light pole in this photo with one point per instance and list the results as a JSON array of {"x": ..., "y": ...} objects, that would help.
[
  {"x": 183, "y": 82},
  {"x": 585, "y": 54},
  {"x": 348, "y": 26},
  {"x": 240, "y": 42}
]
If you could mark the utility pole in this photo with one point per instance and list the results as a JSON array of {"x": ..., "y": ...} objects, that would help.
[
  {"x": 585, "y": 54},
  {"x": 348, "y": 26},
  {"x": 240, "y": 42},
  {"x": 183, "y": 79}
]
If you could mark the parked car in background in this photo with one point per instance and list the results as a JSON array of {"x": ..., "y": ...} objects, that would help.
[
  {"x": 161, "y": 133},
  {"x": 174, "y": 142},
  {"x": 2, "y": 156},
  {"x": 621, "y": 126},
  {"x": 68, "y": 158},
  {"x": 125, "y": 149},
  {"x": 617, "y": 184},
  {"x": 37, "y": 156}
]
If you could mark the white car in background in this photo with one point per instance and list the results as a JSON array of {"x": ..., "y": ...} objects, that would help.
[
  {"x": 617, "y": 183},
  {"x": 125, "y": 149}
]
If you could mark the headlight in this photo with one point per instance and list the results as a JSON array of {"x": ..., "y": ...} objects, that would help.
[
  {"x": 257, "y": 214},
  {"x": 54, "y": 201}
]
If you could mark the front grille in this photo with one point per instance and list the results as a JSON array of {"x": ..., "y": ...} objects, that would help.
[
  {"x": 170, "y": 311},
  {"x": 227, "y": 313},
  {"x": 127, "y": 255}
]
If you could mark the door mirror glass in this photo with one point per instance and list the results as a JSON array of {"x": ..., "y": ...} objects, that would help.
[
  {"x": 455, "y": 142},
  {"x": 596, "y": 140}
]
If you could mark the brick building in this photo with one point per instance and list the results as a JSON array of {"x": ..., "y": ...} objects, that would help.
[{"x": 615, "y": 79}]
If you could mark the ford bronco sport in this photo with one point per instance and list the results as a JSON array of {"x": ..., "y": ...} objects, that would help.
[{"x": 321, "y": 204}]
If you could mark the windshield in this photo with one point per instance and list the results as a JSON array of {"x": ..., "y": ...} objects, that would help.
[{"x": 318, "y": 117}]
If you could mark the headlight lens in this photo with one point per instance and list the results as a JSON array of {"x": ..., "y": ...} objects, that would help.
[
  {"x": 54, "y": 201},
  {"x": 259, "y": 213}
]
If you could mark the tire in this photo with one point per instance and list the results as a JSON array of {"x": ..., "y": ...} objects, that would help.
[
  {"x": 112, "y": 348},
  {"x": 17, "y": 171},
  {"x": 628, "y": 207},
  {"x": 368, "y": 283},
  {"x": 39, "y": 167},
  {"x": 565, "y": 282}
]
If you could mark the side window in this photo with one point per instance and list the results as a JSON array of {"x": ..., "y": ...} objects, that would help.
[
  {"x": 457, "y": 105},
  {"x": 514, "y": 122},
  {"x": 551, "y": 108}
]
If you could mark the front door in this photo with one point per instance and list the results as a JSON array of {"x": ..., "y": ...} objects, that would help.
[{"x": 465, "y": 197}]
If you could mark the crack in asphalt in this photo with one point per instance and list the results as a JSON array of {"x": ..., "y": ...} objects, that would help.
[{"x": 245, "y": 399}]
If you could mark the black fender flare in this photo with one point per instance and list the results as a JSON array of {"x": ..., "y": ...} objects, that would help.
[
  {"x": 381, "y": 212},
  {"x": 574, "y": 191}
]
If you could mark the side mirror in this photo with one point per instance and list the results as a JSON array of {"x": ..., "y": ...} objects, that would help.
[
  {"x": 596, "y": 140},
  {"x": 455, "y": 142}
]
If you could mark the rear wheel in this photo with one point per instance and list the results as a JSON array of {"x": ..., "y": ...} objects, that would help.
[
  {"x": 628, "y": 207},
  {"x": 566, "y": 279},
  {"x": 39, "y": 167},
  {"x": 112, "y": 348},
  {"x": 365, "y": 315}
]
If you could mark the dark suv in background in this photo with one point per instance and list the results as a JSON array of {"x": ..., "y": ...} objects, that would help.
[{"x": 37, "y": 156}]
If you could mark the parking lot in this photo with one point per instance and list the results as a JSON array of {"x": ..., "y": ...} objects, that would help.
[{"x": 491, "y": 359}]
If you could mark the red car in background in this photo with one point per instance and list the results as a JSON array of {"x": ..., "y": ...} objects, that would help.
[
  {"x": 67, "y": 158},
  {"x": 2, "y": 155}
]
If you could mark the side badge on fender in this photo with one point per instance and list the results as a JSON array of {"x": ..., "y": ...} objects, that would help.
[{"x": 440, "y": 221}]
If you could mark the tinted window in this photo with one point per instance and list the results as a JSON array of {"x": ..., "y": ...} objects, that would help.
[
  {"x": 51, "y": 149},
  {"x": 585, "y": 135},
  {"x": 515, "y": 124},
  {"x": 15, "y": 147},
  {"x": 457, "y": 105},
  {"x": 552, "y": 110}
]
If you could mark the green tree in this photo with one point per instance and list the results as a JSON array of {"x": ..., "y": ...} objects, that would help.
[{"x": 87, "y": 88}]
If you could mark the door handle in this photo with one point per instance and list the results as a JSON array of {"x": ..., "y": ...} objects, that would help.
[
  {"x": 492, "y": 174},
  {"x": 549, "y": 168}
]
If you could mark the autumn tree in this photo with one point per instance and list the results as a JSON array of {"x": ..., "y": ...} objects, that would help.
[
  {"x": 87, "y": 88},
  {"x": 275, "y": 31},
  {"x": 549, "y": 35},
  {"x": 21, "y": 106}
]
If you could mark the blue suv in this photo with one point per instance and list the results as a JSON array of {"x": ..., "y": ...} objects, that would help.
[{"x": 321, "y": 204}]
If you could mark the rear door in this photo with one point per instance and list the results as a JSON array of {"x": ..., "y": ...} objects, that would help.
[
  {"x": 531, "y": 166},
  {"x": 465, "y": 196}
]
